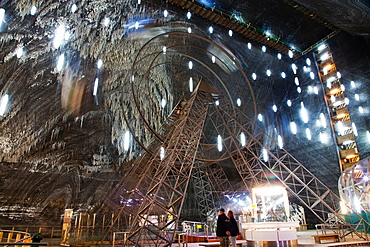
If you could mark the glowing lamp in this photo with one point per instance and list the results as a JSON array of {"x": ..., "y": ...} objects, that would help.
[
  {"x": 341, "y": 115},
  {"x": 335, "y": 91}
]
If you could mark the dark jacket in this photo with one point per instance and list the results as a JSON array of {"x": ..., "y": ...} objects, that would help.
[
  {"x": 234, "y": 229},
  {"x": 223, "y": 225}
]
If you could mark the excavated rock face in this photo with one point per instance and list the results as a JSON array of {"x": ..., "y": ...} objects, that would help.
[{"x": 59, "y": 139}]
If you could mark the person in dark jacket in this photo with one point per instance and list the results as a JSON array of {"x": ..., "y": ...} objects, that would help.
[
  {"x": 234, "y": 229},
  {"x": 223, "y": 228}
]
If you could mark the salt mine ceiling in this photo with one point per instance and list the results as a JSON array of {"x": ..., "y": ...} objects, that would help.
[{"x": 89, "y": 83}]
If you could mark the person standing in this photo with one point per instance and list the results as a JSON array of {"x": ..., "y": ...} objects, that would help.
[
  {"x": 223, "y": 228},
  {"x": 234, "y": 229}
]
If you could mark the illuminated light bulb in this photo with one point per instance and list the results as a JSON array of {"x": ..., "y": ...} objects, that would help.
[
  {"x": 242, "y": 139},
  {"x": 268, "y": 72},
  {"x": 283, "y": 74},
  {"x": 310, "y": 89},
  {"x": 210, "y": 29},
  {"x": 3, "y": 104},
  {"x": 107, "y": 21},
  {"x": 59, "y": 36},
  {"x": 308, "y": 134},
  {"x": 254, "y": 76},
  {"x": 321, "y": 47},
  {"x": 294, "y": 68},
  {"x": 353, "y": 84},
  {"x": 60, "y": 62},
  {"x": 296, "y": 81},
  {"x": 346, "y": 101},
  {"x": 342, "y": 87},
  {"x": 357, "y": 97},
  {"x": 2, "y": 15},
  {"x": 328, "y": 84},
  {"x": 191, "y": 84},
  {"x": 293, "y": 128},
  {"x": 337, "y": 103},
  {"x": 289, "y": 102},
  {"x": 99, "y": 63},
  {"x": 274, "y": 108},
  {"x": 74, "y": 8},
  {"x": 331, "y": 79},
  {"x": 347, "y": 142},
  {"x": 279, "y": 56},
  {"x": 323, "y": 120},
  {"x": 219, "y": 143},
  {"x": 354, "y": 129},
  {"x": 304, "y": 114},
  {"x": 190, "y": 64},
  {"x": 323, "y": 138},
  {"x": 19, "y": 52},
  {"x": 327, "y": 68},
  {"x": 132, "y": 78},
  {"x": 33, "y": 10},
  {"x": 126, "y": 142},
  {"x": 163, "y": 103},
  {"x": 217, "y": 102},
  {"x": 162, "y": 153},
  {"x": 324, "y": 56},
  {"x": 96, "y": 85},
  {"x": 260, "y": 118},
  {"x": 239, "y": 102},
  {"x": 341, "y": 128},
  {"x": 188, "y": 15},
  {"x": 316, "y": 90},
  {"x": 165, "y": 13},
  {"x": 280, "y": 141},
  {"x": 332, "y": 98},
  {"x": 249, "y": 46},
  {"x": 265, "y": 155},
  {"x": 367, "y": 134},
  {"x": 230, "y": 33},
  {"x": 138, "y": 1},
  {"x": 264, "y": 48},
  {"x": 360, "y": 109},
  {"x": 268, "y": 33},
  {"x": 335, "y": 91},
  {"x": 213, "y": 59},
  {"x": 339, "y": 75},
  {"x": 299, "y": 90},
  {"x": 312, "y": 75},
  {"x": 164, "y": 49},
  {"x": 308, "y": 62},
  {"x": 290, "y": 53},
  {"x": 189, "y": 29},
  {"x": 318, "y": 122}
]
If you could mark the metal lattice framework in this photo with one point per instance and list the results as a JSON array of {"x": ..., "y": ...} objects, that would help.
[
  {"x": 205, "y": 199},
  {"x": 162, "y": 179}
]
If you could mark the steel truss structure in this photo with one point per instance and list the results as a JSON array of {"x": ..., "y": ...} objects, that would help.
[{"x": 152, "y": 193}]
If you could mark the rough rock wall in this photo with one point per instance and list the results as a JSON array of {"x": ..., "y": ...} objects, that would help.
[{"x": 56, "y": 135}]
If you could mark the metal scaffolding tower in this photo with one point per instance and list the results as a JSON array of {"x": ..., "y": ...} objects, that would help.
[{"x": 159, "y": 180}]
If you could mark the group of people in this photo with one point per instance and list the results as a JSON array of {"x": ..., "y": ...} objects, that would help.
[{"x": 227, "y": 228}]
